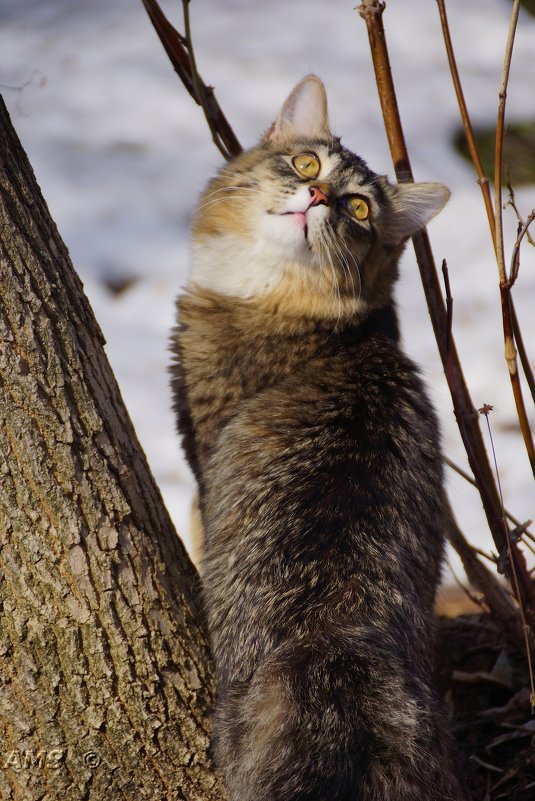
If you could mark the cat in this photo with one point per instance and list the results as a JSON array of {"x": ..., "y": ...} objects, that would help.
[{"x": 317, "y": 457}]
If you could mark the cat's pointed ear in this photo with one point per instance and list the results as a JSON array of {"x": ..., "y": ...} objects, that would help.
[
  {"x": 412, "y": 207},
  {"x": 304, "y": 112}
]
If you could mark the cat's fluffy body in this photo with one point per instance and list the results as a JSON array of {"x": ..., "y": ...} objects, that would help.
[{"x": 317, "y": 457}]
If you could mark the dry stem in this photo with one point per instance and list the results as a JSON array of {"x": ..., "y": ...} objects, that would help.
[
  {"x": 496, "y": 596},
  {"x": 505, "y": 282},
  {"x": 183, "y": 62},
  {"x": 528, "y": 638},
  {"x": 467, "y": 477},
  {"x": 512, "y": 203},
  {"x": 484, "y": 181},
  {"x": 498, "y": 154},
  {"x": 371, "y": 11},
  {"x": 467, "y": 125},
  {"x": 515, "y": 258}
]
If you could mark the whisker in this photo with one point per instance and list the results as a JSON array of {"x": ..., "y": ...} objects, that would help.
[
  {"x": 215, "y": 201},
  {"x": 244, "y": 189},
  {"x": 341, "y": 244},
  {"x": 328, "y": 242},
  {"x": 323, "y": 236},
  {"x": 344, "y": 263},
  {"x": 229, "y": 174},
  {"x": 357, "y": 268}
]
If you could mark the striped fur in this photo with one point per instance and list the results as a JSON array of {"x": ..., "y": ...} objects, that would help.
[{"x": 317, "y": 457}]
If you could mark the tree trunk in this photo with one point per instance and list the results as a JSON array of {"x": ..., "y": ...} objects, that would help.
[{"x": 105, "y": 674}]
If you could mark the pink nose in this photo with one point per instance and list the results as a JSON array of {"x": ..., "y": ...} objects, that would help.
[{"x": 318, "y": 196}]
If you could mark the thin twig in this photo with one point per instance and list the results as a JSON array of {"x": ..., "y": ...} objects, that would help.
[
  {"x": 173, "y": 44},
  {"x": 201, "y": 91},
  {"x": 480, "y": 577},
  {"x": 477, "y": 601},
  {"x": 485, "y": 410},
  {"x": 490, "y": 557},
  {"x": 512, "y": 331},
  {"x": 514, "y": 520},
  {"x": 19, "y": 88},
  {"x": 523, "y": 530},
  {"x": 467, "y": 125},
  {"x": 371, "y": 11},
  {"x": 512, "y": 203},
  {"x": 505, "y": 282},
  {"x": 518, "y": 536},
  {"x": 498, "y": 153},
  {"x": 515, "y": 258},
  {"x": 449, "y": 312}
]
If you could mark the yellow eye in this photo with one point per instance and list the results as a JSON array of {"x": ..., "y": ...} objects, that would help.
[
  {"x": 307, "y": 165},
  {"x": 357, "y": 207}
]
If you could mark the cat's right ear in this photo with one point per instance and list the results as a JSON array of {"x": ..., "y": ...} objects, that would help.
[
  {"x": 304, "y": 113},
  {"x": 413, "y": 205}
]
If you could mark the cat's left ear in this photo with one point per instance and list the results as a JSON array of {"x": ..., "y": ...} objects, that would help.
[
  {"x": 304, "y": 112},
  {"x": 412, "y": 207}
]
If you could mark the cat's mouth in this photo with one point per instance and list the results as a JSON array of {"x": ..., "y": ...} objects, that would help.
[
  {"x": 301, "y": 217},
  {"x": 299, "y": 231}
]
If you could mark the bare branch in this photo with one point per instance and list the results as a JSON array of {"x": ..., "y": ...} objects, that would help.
[
  {"x": 483, "y": 181},
  {"x": 202, "y": 91},
  {"x": 519, "y": 527},
  {"x": 496, "y": 596},
  {"x": 498, "y": 154},
  {"x": 526, "y": 629},
  {"x": 512, "y": 332},
  {"x": 515, "y": 258},
  {"x": 371, "y": 11},
  {"x": 174, "y": 45},
  {"x": 449, "y": 317},
  {"x": 505, "y": 282},
  {"x": 512, "y": 203}
]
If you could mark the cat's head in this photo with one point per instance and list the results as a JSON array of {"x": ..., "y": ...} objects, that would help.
[{"x": 303, "y": 223}]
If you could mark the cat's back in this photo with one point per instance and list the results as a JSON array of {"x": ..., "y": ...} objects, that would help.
[
  {"x": 352, "y": 392},
  {"x": 331, "y": 472}
]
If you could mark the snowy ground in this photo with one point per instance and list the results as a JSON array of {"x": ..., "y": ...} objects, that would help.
[{"x": 121, "y": 153}]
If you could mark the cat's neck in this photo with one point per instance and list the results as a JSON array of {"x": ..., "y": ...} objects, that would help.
[
  {"x": 281, "y": 315},
  {"x": 294, "y": 307}
]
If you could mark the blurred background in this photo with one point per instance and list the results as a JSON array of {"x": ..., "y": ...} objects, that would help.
[{"x": 121, "y": 153}]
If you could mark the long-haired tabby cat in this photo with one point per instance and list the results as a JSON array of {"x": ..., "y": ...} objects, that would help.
[{"x": 317, "y": 457}]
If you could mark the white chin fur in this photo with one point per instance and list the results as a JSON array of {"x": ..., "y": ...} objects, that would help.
[
  {"x": 229, "y": 266},
  {"x": 283, "y": 236}
]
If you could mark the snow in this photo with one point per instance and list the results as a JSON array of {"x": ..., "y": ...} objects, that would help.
[{"x": 121, "y": 153}]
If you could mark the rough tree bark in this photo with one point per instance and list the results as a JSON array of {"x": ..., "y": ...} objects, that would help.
[{"x": 105, "y": 675}]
